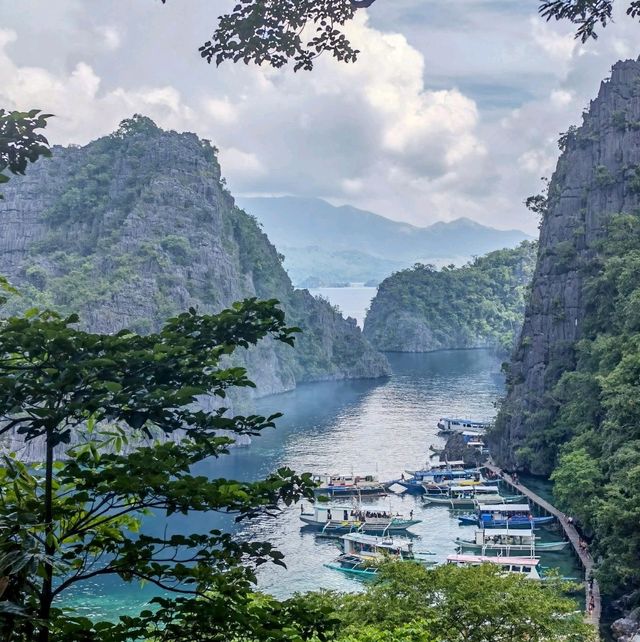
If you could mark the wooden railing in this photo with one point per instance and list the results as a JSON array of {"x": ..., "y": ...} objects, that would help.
[{"x": 592, "y": 590}]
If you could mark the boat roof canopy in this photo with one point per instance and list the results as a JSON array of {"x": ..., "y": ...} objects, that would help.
[
  {"x": 511, "y": 532},
  {"x": 504, "y": 508},
  {"x": 446, "y": 464},
  {"x": 465, "y": 421},
  {"x": 383, "y": 542},
  {"x": 470, "y": 488},
  {"x": 507, "y": 561}
]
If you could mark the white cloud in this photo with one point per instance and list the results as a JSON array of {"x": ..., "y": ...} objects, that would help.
[
  {"x": 457, "y": 115},
  {"x": 110, "y": 36},
  {"x": 560, "y": 47}
]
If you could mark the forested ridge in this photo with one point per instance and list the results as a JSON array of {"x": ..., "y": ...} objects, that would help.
[
  {"x": 572, "y": 406},
  {"x": 137, "y": 226},
  {"x": 480, "y": 304}
]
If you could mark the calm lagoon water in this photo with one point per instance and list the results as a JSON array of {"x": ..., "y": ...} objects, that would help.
[{"x": 361, "y": 426}]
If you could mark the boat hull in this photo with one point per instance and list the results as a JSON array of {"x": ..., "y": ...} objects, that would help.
[
  {"x": 361, "y": 527},
  {"x": 350, "y": 491},
  {"x": 364, "y": 573},
  {"x": 468, "y": 502},
  {"x": 506, "y": 549},
  {"x": 411, "y": 487},
  {"x": 511, "y": 523}
]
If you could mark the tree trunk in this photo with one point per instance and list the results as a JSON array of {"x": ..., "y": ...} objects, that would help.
[{"x": 46, "y": 595}]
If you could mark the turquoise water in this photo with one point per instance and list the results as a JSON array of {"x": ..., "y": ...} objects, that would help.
[{"x": 382, "y": 427}]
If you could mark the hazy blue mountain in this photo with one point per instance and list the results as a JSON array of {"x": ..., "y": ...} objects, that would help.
[{"x": 330, "y": 244}]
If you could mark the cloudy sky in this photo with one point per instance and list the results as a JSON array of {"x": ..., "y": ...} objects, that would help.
[{"x": 453, "y": 109}]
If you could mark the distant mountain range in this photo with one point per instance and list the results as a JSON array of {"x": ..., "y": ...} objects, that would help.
[{"x": 328, "y": 245}]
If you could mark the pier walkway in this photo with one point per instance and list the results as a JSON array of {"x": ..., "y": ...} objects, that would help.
[{"x": 592, "y": 589}]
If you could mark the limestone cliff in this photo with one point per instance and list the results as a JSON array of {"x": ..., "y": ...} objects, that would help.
[
  {"x": 137, "y": 226},
  {"x": 479, "y": 305},
  {"x": 596, "y": 180}
]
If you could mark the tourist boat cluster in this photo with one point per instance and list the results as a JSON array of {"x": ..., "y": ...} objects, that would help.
[{"x": 507, "y": 532}]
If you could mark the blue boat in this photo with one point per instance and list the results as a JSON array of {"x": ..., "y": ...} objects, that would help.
[
  {"x": 437, "y": 474},
  {"x": 500, "y": 515}
]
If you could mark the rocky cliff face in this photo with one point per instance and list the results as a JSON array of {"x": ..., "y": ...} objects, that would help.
[
  {"x": 596, "y": 179},
  {"x": 137, "y": 226},
  {"x": 479, "y": 305}
]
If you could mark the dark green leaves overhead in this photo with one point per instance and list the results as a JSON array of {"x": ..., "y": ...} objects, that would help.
[
  {"x": 277, "y": 32},
  {"x": 20, "y": 143},
  {"x": 588, "y": 15}
]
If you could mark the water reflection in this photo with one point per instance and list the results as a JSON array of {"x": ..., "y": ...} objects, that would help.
[{"x": 348, "y": 426}]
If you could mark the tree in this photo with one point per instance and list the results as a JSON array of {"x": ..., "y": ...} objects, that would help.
[
  {"x": 459, "y": 604},
  {"x": 20, "y": 143},
  {"x": 587, "y": 14},
  {"x": 77, "y": 519},
  {"x": 277, "y": 32}
]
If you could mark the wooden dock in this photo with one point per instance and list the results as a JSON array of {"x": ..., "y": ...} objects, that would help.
[{"x": 592, "y": 590}]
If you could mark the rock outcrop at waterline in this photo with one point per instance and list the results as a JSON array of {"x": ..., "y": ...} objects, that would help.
[
  {"x": 597, "y": 180},
  {"x": 139, "y": 225},
  {"x": 478, "y": 305}
]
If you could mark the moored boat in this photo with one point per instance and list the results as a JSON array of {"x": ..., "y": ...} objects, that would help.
[
  {"x": 438, "y": 474},
  {"x": 345, "y": 519},
  {"x": 527, "y": 566},
  {"x": 507, "y": 541},
  {"x": 511, "y": 515},
  {"x": 463, "y": 496},
  {"x": 348, "y": 485},
  {"x": 363, "y": 554},
  {"x": 449, "y": 425}
]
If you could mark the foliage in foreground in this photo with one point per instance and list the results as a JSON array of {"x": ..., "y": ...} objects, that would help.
[
  {"x": 276, "y": 32},
  {"x": 20, "y": 142},
  {"x": 67, "y": 522},
  {"x": 409, "y": 603}
]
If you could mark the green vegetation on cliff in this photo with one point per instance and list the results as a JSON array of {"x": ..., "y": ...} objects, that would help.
[
  {"x": 478, "y": 305},
  {"x": 594, "y": 409},
  {"x": 138, "y": 226}
]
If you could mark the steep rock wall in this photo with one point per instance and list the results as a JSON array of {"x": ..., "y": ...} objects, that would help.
[
  {"x": 139, "y": 225},
  {"x": 597, "y": 178}
]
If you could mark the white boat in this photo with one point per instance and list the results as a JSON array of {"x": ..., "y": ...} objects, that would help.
[
  {"x": 527, "y": 566},
  {"x": 348, "y": 485},
  {"x": 448, "y": 425},
  {"x": 342, "y": 518},
  {"x": 464, "y": 496},
  {"x": 505, "y": 541},
  {"x": 363, "y": 554}
]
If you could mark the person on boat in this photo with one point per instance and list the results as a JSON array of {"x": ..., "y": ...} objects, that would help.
[
  {"x": 411, "y": 514},
  {"x": 329, "y": 517}
]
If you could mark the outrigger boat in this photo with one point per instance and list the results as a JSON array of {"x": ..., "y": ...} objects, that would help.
[
  {"x": 447, "y": 426},
  {"x": 527, "y": 566},
  {"x": 440, "y": 474},
  {"x": 340, "y": 518},
  {"x": 506, "y": 541},
  {"x": 511, "y": 515},
  {"x": 463, "y": 496},
  {"x": 363, "y": 554},
  {"x": 348, "y": 485}
]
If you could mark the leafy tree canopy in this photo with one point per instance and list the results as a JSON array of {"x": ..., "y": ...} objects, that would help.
[
  {"x": 69, "y": 521},
  {"x": 277, "y": 32},
  {"x": 20, "y": 142}
]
